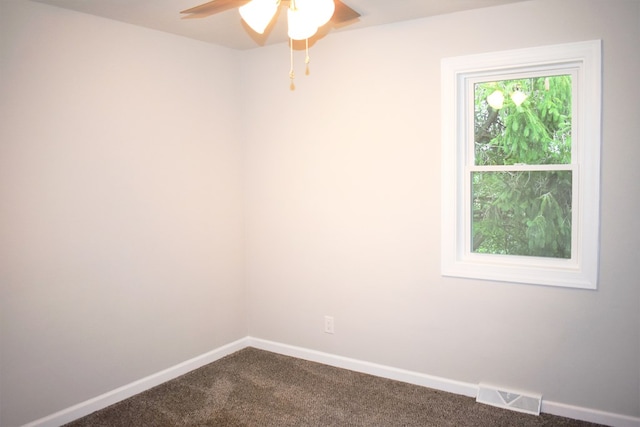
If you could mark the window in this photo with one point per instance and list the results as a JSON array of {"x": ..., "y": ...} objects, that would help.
[{"x": 521, "y": 165}]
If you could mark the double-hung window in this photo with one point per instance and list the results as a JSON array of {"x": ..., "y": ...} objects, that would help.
[{"x": 521, "y": 165}]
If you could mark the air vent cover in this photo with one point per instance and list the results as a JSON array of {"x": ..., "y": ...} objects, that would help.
[{"x": 509, "y": 399}]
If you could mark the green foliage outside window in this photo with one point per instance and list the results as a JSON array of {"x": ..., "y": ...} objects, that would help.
[{"x": 522, "y": 212}]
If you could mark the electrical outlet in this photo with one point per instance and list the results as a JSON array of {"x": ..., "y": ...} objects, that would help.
[{"x": 328, "y": 324}]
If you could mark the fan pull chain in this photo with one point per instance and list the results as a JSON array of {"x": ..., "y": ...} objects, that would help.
[
  {"x": 292, "y": 75},
  {"x": 307, "y": 59}
]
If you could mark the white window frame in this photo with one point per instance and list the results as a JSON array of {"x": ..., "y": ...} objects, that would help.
[{"x": 583, "y": 60}]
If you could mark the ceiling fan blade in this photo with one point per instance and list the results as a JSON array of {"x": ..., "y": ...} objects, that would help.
[
  {"x": 212, "y": 7},
  {"x": 343, "y": 13}
]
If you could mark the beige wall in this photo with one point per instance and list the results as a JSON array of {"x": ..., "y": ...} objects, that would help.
[
  {"x": 121, "y": 241},
  {"x": 343, "y": 211},
  {"x": 125, "y": 163}
]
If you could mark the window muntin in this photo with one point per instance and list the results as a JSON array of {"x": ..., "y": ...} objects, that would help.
[{"x": 557, "y": 238}]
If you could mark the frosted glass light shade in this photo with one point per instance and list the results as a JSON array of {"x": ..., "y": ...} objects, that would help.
[
  {"x": 258, "y": 13},
  {"x": 496, "y": 100},
  {"x": 320, "y": 11},
  {"x": 518, "y": 97},
  {"x": 301, "y": 24}
]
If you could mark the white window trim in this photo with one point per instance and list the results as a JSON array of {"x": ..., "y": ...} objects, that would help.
[{"x": 581, "y": 271}]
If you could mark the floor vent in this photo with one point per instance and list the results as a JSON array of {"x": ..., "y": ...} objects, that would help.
[{"x": 509, "y": 399}]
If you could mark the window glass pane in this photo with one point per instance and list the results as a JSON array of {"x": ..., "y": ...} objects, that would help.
[
  {"x": 522, "y": 213},
  {"x": 520, "y": 147},
  {"x": 523, "y": 121}
]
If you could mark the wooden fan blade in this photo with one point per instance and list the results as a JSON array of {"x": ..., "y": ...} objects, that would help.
[
  {"x": 343, "y": 13},
  {"x": 212, "y": 7}
]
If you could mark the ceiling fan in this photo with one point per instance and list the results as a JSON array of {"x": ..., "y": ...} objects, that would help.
[
  {"x": 343, "y": 14},
  {"x": 304, "y": 17}
]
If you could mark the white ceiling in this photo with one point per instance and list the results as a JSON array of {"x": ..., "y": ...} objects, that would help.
[{"x": 228, "y": 30}]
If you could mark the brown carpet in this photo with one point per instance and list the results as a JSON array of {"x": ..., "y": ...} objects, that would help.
[{"x": 257, "y": 388}]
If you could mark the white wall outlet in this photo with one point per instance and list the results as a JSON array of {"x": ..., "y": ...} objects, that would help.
[{"x": 328, "y": 324}]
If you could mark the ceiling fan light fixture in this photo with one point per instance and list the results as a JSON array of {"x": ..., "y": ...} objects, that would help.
[
  {"x": 301, "y": 23},
  {"x": 319, "y": 11},
  {"x": 518, "y": 97},
  {"x": 496, "y": 100},
  {"x": 258, "y": 13},
  {"x": 304, "y": 17}
]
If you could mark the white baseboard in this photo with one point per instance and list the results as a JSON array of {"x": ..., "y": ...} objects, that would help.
[
  {"x": 590, "y": 415},
  {"x": 438, "y": 383},
  {"x": 457, "y": 387},
  {"x": 121, "y": 393}
]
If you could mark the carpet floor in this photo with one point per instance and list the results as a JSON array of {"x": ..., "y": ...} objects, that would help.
[{"x": 258, "y": 388}]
